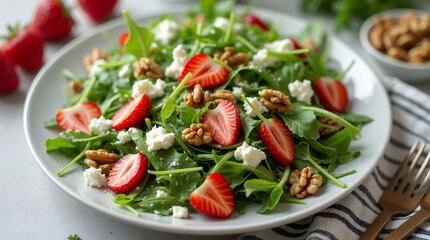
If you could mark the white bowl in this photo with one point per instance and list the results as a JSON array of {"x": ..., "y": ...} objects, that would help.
[{"x": 403, "y": 70}]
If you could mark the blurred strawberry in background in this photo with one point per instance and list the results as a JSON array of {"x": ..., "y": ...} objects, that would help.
[
  {"x": 52, "y": 19},
  {"x": 24, "y": 47},
  {"x": 8, "y": 78},
  {"x": 96, "y": 9}
]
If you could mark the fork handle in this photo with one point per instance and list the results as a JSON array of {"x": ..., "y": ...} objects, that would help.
[
  {"x": 373, "y": 231},
  {"x": 410, "y": 225}
]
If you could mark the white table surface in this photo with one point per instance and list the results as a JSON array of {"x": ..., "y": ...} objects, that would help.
[{"x": 31, "y": 206}]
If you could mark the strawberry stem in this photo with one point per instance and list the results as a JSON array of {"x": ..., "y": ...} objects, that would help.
[
  {"x": 328, "y": 114},
  {"x": 255, "y": 110},
  {"x": 197, "y": 42},
  {"x": 221, "y": 162},
  {"x": 223, "y": 64},
  {"x": 230, "y": 27},
  {"x": 194, "y": 169},
  {"x": 327, "y": 174},
  {"x": 247, "y": 43},
  {"x": 59, "y": 173}
]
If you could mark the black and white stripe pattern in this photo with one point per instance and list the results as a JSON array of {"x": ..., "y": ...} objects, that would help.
[{"x": 350, "y": 217}]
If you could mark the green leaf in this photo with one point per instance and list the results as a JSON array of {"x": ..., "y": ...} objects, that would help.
[
  {"x": 273, "y": 200},
  {"x": 355, "y": 118},
  {"x": 258, "y": 185},
  {"x": 139, "y": 43},
  {"x": 315, "y": 31},
  {"x": 63, "y": 146},
  {"x": 162, "y": 205},
  {"x": 207, "y": 7},
  {"x": 187, "y": 114},
  {"x": 181, "y": 184},
  {"x": 340, "y": 140},
  {"x": 301, "y": 123}
]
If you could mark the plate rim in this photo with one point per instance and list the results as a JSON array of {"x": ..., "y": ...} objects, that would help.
[{"x": 182, "y": 229}]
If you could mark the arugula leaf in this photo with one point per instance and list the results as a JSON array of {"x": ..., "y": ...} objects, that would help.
[
  {"x": 301, "y": 123},
  {"x": 315, "y": 31},
  {"x": 139, "y": 43},
  {"x": 63, "y": 146},
  {"x": 258, "y": 185},
  {"x": 340, "y": 140},
  {"x": 181, "y": 184},
  {"x": 355, "y": 118}
]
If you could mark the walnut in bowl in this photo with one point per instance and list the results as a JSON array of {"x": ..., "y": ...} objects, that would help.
[{"x": 399, "y": 41}]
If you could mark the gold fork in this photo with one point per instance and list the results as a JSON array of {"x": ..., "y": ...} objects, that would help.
[
  {"x": 412, "y": 223},
  {"x": 399, "y": 201}
]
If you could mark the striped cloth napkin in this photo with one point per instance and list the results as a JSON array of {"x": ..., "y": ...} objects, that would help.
[{"x": 350, "y": 217}]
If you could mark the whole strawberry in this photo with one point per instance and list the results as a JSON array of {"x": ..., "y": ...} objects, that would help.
[
  {"x": 96, "y": 9},
  {"x": 8, "y": 78},
  {"x": 24, "y": 47},
  {"x": 52, "y": 19}
]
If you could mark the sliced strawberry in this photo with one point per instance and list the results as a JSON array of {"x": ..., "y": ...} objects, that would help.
[
  {"x": 223, "y": 123},
  {"x": 331, "y": 93},
  {"x": 214, "y": 197},
  {"x": 124, "y": 38},
  {"x": 278, "y": 141},
  {"x": 254, "y": 20},
  {"x": 78, "y": 117},
  {"x": 127, "y": 173},
  {"x": 296, "y": 47},
  {"x": 205, "y": 71},
  {"x": 132, "y": 113}
]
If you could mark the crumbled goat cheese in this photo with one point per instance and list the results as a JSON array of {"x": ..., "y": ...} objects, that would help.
[
  {"x": 133, "y": 130},
  {"x": 250, "y": 155},
  {"x": 257, "y": 105},
  {"x": 223, "y": 23},
  {"x": 180, "y": 212},
  {"x": 264, "y": 60},
  {"x": 237, "y": 92},
  {"x": 100, "y": 125},
  {"x": 124, "y": 137},
  {"x": 94, "y": 177},
  {"x": 151, "y": 90},
  {"x": 125, "y": 71},
  {"x": 284, "y": 45},
  {"x": 158, "y": 138},
  {"x": 180, "y": 59},
  {"x": 161, "y": 193},
  {"x": 166, "y": 31},
  {"x": 95, "y": 68},
  {"x": 302, "y": 91}
]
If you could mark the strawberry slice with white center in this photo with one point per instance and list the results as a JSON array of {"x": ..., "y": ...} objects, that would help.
[
  {"x": 296, "y": 47},
  {"x": 205, "y": 72},
  {"x": 132, "y": 113},
  {"x": 214, "y": 197},
  {"x": 78, "y": 117},
  {"x": 127, "y": 173},
  {"x": 331, "y": 93},
  {"x": 223, "y": 123},
  {"x": 278, "y": 141}
]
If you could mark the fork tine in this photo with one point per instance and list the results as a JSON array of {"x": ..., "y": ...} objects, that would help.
[
  {"x": 396, "y": 176},
  {"x": 418, "y": 176},
  {"x": 424, "y": 187},
  {"x": 411, "y": 168}
]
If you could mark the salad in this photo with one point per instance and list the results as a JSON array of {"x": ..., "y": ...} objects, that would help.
[{"x": 210, "y": 113}]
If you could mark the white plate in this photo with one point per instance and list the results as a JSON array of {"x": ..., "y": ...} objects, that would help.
[{"x": 45, "y": 98}]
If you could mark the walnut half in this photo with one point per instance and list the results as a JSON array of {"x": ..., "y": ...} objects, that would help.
[
  {"x": 275, "y": 101},
  {"x": 304, "y": 182}
]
